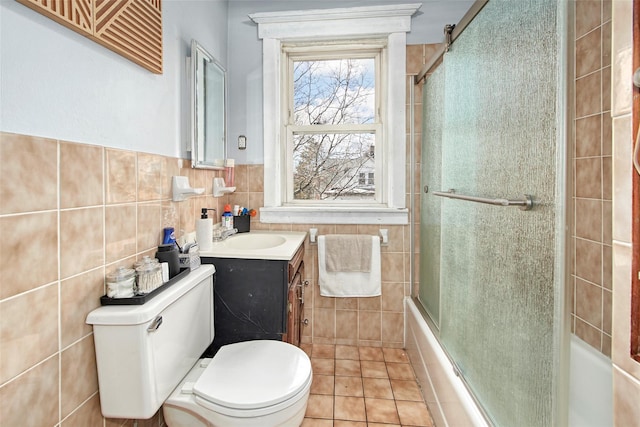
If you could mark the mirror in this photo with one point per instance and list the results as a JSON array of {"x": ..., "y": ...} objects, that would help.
[{"x": 208, "y": 110}]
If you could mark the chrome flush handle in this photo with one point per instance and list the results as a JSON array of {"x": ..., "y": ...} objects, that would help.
[{"x": 155, "y": 324}]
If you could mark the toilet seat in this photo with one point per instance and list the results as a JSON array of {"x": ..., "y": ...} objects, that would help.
[{"x": 254, "y": 378}]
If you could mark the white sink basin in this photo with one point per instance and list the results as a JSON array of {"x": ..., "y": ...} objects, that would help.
[
  {"x": 274, "y": 245},
  {"x": 255, "y": 241}
]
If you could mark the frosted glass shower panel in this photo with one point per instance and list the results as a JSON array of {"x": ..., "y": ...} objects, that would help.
[{"x": 496, "y": 264}]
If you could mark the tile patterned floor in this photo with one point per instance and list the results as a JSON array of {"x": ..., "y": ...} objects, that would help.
[{"x": 363, "y": 387}]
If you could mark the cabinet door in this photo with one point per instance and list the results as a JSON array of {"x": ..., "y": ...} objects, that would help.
[
  {"x": 250, "y": 300},
  {"x": 294, "y": 298}
]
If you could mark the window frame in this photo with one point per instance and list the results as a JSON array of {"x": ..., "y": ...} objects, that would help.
[
  {"x": 390, "y": 23},
  {"x": 350, "y": 49}
]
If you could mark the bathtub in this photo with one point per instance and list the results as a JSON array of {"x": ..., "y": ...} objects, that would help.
[
  {"x": 590, "y": 386},
  {"x": 451, "y": 405}
]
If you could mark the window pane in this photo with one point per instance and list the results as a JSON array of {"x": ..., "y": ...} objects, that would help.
[
  {"x": 339, "y": 91},
  {"x": 332, "y": 166}
]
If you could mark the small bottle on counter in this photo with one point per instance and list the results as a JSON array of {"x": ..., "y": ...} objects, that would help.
[
  {"x": 169, "y": 236},
  {"x": 227, "y": 217}
]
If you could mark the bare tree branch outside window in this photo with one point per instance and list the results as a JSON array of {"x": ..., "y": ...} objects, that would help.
[{"x": 335, "y": 94}]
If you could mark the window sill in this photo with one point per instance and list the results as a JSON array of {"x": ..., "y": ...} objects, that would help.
[{"x": 334, "y": 215}]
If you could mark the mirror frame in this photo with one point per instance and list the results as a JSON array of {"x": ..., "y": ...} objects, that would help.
[{"x": 201, "y": 143}]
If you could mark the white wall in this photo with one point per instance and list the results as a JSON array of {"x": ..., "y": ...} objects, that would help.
[
  {"x": 245, "y": 57},
  {"x": 58, "y": 84}
]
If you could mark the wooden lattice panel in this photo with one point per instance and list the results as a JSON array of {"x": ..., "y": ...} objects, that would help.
[
  {"x": 75, "y": 14},
  {"x": 132, "y": 28}
]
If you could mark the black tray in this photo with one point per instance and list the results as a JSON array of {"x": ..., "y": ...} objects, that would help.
[{"x": 141, "y": 299}]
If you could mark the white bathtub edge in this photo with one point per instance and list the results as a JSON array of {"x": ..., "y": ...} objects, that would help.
[{"x": 415, "y": 324}]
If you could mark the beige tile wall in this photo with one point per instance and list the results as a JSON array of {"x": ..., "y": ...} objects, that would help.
[
  {"x": 592, "y": 191},
  {"x": 72, "y": 213}
]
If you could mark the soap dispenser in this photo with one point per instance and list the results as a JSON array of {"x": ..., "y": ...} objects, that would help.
[{"x": 204, "y": 231}]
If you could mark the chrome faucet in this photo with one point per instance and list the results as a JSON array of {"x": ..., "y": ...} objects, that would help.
[
  {"x": 229, "y": 232},
  {"x": 220, "y": 234}
]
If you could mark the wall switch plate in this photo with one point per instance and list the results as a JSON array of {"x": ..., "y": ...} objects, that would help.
[{"x": 242, "y": 142}]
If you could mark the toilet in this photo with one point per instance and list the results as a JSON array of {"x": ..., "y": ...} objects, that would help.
[{"x": 149, "y": 356}]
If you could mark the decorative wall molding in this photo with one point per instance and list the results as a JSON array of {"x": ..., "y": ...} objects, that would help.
[{"x": 131, "y": 28}]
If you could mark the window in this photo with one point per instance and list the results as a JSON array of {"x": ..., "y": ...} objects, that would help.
[
  {"x": 333, "y": 125},
  {"x": 320, "y": 157}
]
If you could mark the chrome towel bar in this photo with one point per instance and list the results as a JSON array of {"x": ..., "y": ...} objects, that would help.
[
  {"x": 525, "y": 204},
  {"x": 383, "y": 233}
]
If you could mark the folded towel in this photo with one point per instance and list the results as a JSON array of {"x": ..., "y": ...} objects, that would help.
[
  {"x": 348, "y": 252},
  {"x": 350, "y": 283}
]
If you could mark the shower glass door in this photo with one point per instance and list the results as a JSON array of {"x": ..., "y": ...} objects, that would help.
[{"x": 491, "y": 277}]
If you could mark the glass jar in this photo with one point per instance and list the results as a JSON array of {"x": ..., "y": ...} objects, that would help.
[
  {"x": 121, "y": 283},
  {"x": 149, "y": 272}
]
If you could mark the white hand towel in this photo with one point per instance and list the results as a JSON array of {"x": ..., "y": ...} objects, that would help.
[{"x": 352, "y": 283}]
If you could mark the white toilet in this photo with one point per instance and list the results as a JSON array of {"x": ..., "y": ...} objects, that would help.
[{"x": 148, "y": 356}]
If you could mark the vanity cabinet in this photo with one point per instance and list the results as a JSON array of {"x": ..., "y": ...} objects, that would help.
[{"x": 257, "y": 299}]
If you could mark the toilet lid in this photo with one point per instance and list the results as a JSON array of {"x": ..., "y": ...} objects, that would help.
[{"x": 254, "y": 374}]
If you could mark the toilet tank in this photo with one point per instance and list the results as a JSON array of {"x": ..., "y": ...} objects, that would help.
[{"x": 144, "y": 351}]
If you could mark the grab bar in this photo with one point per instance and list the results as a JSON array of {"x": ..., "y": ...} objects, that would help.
[{"x": 525, "y": 204}]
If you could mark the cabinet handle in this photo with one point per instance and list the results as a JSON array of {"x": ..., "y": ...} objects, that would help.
[
  {"x": 305, "y": 321},
  {"x": 306, "y": 283}
]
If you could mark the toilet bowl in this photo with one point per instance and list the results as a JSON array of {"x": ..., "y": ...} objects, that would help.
[
  {"x": 253, "y": 383},
  {"x": 148, "y": 357}
]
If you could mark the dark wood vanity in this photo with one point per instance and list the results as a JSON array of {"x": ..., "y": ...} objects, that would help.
[{"x": 258, "y": 299}]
